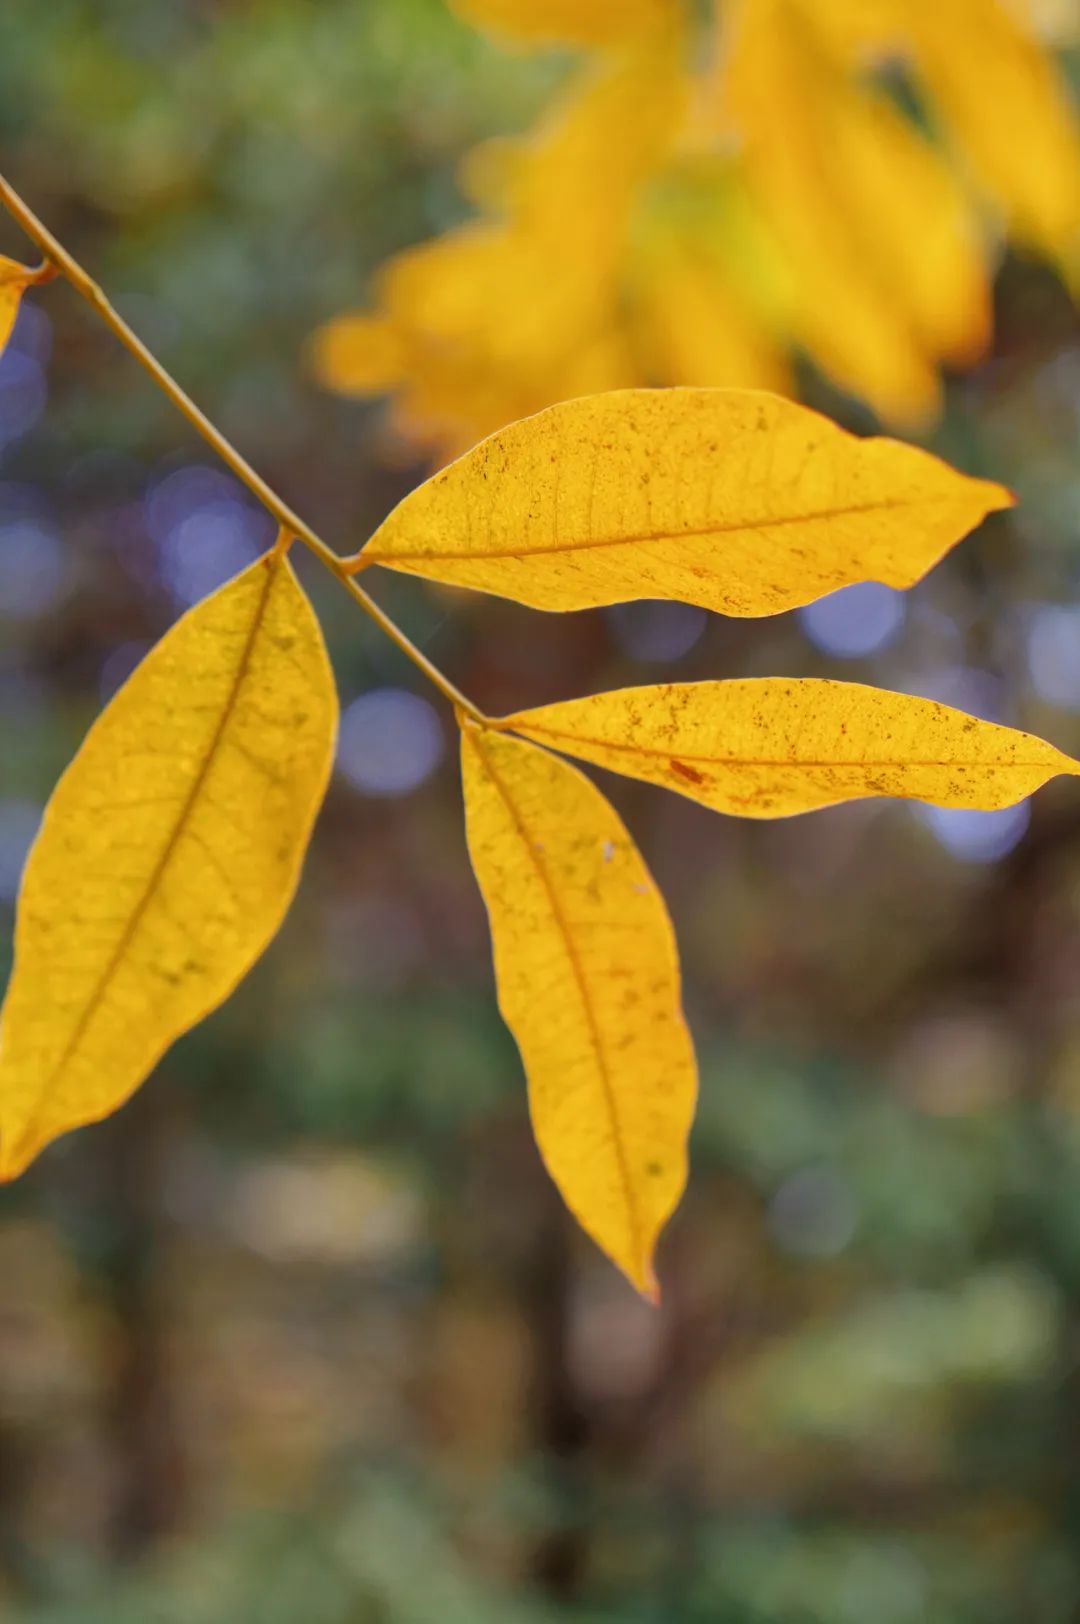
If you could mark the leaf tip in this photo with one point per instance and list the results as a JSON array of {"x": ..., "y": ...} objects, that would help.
[
  {"x": 642, "y": 1276},
  {"x": 998, "y": 498}
]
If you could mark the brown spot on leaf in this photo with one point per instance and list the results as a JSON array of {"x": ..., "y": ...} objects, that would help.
[{"x": 690, "y": 774}]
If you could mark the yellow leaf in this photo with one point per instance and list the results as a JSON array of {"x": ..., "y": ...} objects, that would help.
[
  {"x": 1007, "y": 106},
  {"x": 357, "y": 355},
  {"x": 588, "y": 981},
  {"x": 862, "y": 28},
  {"x": 875, "y": 30},
  {"x": 883, "y": 292},
  {"x": 705, "y": 199},
  {"x": 483, "y": 340},
  {"x": 782, "y": 99},
  {"x": 168, "y": 856},
  {"x": 993, "y": 82},
  {"x": 496, "y": 319},
  {"x": 581, "y": 171},
  {"x": 742, "y": 502},
  {"x": 768, "y": 747},
  {"x": 692, "y": 325},
  {"x": 571, "y": 22},
  {"x": 14, "y": 281},
  {"x": 924, "y": 249}
]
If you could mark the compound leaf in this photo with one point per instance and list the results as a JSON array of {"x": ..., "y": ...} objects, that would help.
[
  {"x": 736, "y": 500},
  {"x": 767, "y": 747},
  {"x": 168, "y": 856},
  {"x": 588, "y": 980}
]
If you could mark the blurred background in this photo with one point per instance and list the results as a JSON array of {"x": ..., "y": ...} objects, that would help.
[{"x": 303, "y": 1332}]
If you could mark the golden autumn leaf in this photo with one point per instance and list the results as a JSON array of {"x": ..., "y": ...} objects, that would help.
[
  {"x": 570, "y": 22},
  {"x": 580, "y": 173},
  {"x": 1007, "y": 107},
  {"x": 872, "y": 31},
  {"x": 355, "y": 354},
  {"x": 739, "y": 501},
  {"x": 925, "y": 248},
  {"x": 884, "y": 293},
  {"x": 588, "y": 981},
  {"x": 881, "y": 238},
  {"x": 767, "y": 747},
  {"x": 168, "y": 856},
  {"x": 996, "y": 89},
  {"x": 862, "y": 29},
  {"x": 14, "y": 281},
  {"x": 495, "y": 319},
  {"x": 780, "y": 97},
  {"x": 692, "y": 324}
]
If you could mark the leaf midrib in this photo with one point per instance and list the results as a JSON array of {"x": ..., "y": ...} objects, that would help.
[
  {"x": 392, "y": 555},
  {"x": 93, "y": 1004},
  {"x": 583, "y": 992},
  {"x": 520, "y": 724}
]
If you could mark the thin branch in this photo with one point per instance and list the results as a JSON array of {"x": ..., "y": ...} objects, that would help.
[{"x": 59, "y": 261}]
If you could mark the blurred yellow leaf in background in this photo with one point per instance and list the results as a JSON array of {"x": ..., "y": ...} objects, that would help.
[
  {"x": 875, "y": 234},
  {"x": 885, "y": 293},
  {"x": 168, "y": 856},
  {"x": 497, "y": 318},
  {"x": 693, "y": 323},
  {"x": 1004, "y": 104},
  {"x": 991, "y": 83},
  {"x": 588, "y": 981}
]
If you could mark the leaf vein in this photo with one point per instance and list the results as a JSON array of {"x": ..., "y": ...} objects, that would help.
[
  {"x": 578, "y": 971},
  {"x": 153, "y": 884},
  {"x": 399, "y": 554}
]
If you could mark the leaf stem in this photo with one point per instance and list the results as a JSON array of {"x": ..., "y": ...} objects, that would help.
[
  {"x": 409, "y": 648},
  {"x": 60, "y": 261}
]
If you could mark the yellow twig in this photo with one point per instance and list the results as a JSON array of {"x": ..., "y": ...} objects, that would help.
[{"x": 60, "y": 262}]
